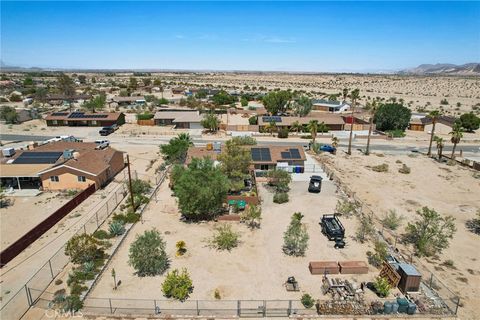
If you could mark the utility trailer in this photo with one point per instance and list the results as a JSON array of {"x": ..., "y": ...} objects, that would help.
[{"x": 332, "y": 228}]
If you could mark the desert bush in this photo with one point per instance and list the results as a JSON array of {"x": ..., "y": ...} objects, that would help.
[
  {"x": 474, "y": 224},
  {"x": 73, "y": 303},
  {"x": 116, "y": 228},
  {"x": 130, "y": 217},
  {"x": 307, "y": 301},
  {"x": 280, "y": 197},
  {"x": 404, "y": 169},
  {"x": 379, "y": 255},
  {"x": 101, "y": 234},
  {"x": 430, "y": 234},
  {"x": 382, "y": 287},
  {"x": 449, "y": 263},
  {"x": 252, "y": 216},
  {"x": 147, "y": 254},
  {"x": 346, "y": 207},
  {"x": 392, "y": 220},
  {"x": 225, "y": 238},
  {"x": 177, "y": 285},
  {"x": 295, "y": 238},
  {"x": 181, "y": 247},
  {"x": 279, "y": 179},
  {"x": 83, "y": 248},
  {"x": 244, "y": 141},
  {"x": 380, "y": 168},
  {"x": 283, "y": 133},
  {"x": 216, "y": 294},
  {"x": 365, "y": 228}
]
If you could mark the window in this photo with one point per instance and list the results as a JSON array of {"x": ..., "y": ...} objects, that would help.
[
  {"x": 54, "y": 122},
  {"x": 54, "y": 178},
  {"x": 81, "y": 178},
  {"x": 94, "y": 122},
  {"x": 264, "y": 167}
]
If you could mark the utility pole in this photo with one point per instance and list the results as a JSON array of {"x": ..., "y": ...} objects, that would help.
[{"x": 130, "y": 183}]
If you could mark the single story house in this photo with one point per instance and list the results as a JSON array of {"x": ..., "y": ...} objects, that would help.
[
  {"x": 263, "y": 157},
  {"x": 129, "y": 100},
  {"x": 423, "y": 123},
  {"x": 178, "y": 90},
  {"x": 180, "y": 119},
  {"x": 61, "y": 166},
  {"x": 330, "y": 106},
  {"x": 334, "y": 122},
  {"x": 77, "y": 118},
  {"x": 75, "y": 97}
]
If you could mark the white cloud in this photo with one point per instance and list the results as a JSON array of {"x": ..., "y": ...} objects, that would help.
[{"x": 270, "y": 39}]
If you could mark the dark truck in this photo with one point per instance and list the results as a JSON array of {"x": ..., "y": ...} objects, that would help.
[
  {"x": 332, "y": 228},
  {"x": 315, "y": 184},
  {"x": 105, "y": 131}
]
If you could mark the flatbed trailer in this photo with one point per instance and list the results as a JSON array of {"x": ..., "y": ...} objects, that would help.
[{"x": 332, "y": 227}]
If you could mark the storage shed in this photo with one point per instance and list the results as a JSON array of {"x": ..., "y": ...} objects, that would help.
[{"x": 410, "y": 278}]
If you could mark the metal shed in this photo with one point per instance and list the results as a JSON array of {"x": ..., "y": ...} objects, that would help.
[{"x": 410, "y": 278}]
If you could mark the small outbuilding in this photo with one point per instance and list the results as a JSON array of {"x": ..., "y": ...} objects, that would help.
[{"x": 410, "y": 278}]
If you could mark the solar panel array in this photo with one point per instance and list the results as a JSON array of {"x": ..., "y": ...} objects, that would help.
[
  {"x": 291, "y": 154},
  {"x": 272, "y": 119},
  {"x": 60, "y": 114},
  {"x": 38, "y": 157},
  {"x": 76, "y": 115},
  {"x": 261, "y": 154}
]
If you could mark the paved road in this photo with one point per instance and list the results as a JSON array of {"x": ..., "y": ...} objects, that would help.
[{"x": 393, "y": 147}]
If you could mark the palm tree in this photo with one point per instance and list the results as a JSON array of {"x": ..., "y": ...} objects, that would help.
[
  {"x": 457, "y": 135},
  {"x": 185, "y": 137},
  {"x": 296, "y": 126},
  {"x": 322, "y": 127},
  {"x": 271, "y": 127},
  {"x": 345, "y": 94},
  {"x": 354, "y": 96},
  {"x": 440, "y": 145},
  {"x": 434, "y": 116},
  {"x": 313, "y": 128},
  {"x": 373, "y": 106}
]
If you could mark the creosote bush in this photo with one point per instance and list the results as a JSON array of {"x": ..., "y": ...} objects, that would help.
[
  {"x": 177, "y": 285},
  {"x": 280, "y": 197},
  {"x": 392, "y": 220},
  {"x": 346, "y": 207},
  {"x": 380, "y": 168},
  {"x": 307, "y": 301},
  {"x": 225, "y": 238},
  {"x": 404, "y": 169},
  {"x": 83, "y": 248},
  {"x": 147, "y": 254},
  {"x": 295, "y": 239}
]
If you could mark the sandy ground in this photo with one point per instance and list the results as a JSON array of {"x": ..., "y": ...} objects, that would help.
[
  {"x": 19, "y": 218},
  {"x": 451, "y": 190},
  {"x": 256, "y": 269}
]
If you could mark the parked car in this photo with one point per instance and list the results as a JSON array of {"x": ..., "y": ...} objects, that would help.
[
  {"x": 101, "y": 144},
  {"x": 328, "y": 148},
  {"x": 115, "y": 127},
  {"x": 332, "y": 227},
  {"x": 105, "y": 131},
  {"x": 315, "y": 184}
]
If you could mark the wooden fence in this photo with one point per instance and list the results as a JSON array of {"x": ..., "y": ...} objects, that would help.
[
  {"x": 31, "y": 236},
  {"x": 150, "y": 122}
]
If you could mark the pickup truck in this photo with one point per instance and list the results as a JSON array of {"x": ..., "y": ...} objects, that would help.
[
  {"x": 105, "y": 131},
  {"x": 101, "y": 144}
]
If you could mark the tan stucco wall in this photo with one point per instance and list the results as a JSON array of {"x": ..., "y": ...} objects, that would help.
[
  {"x": 66, "y": 181},
  {"x": 440, "y": 128}
]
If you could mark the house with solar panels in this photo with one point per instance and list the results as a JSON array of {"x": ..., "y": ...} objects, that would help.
[
  {"x": 330, "y": 106},
  {"x": 62, "y": 165},
  {"x": 79, "y": 119}
]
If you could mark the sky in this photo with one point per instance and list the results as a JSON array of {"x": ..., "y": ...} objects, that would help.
[{"x": 271, "y": 36}]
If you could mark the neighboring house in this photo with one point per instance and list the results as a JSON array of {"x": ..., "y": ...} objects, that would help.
[
  {"x": 422, "y": 123},
  {"x": 74, "y": 119},
  {"x": 291, "y": 158},
  {"x": 330, "y": 106},
  {"x": 61, "y": 97},
  {"x": 334, "y": 122},
  {"x": 178, "y": 90},
  {"x": 180, "y": 119},
  {"x": 125, "y": 101},
  {"x": 61, "y": 166}
]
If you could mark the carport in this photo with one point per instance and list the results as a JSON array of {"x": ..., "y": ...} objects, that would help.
[{"x": 21, "y": 176}]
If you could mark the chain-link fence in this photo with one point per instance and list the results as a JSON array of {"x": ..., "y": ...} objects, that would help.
[{"x": 18, "y": 305}]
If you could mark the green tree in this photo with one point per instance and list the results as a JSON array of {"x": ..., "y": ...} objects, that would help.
[
  {"x": 82, "y": 79},
  {"x": 434, "y": 115},
  {"x": 252, "y": 216},
  {"x": 382, "y": 287},
  {"x": 302, "y": 106},
  {"x": 83, "y": 248},
  {"x": 296, "y": 126},
  {"x": 469, "y": 122},
  {"x": 295, "y": 239},
  {"x": 9, "y": 114},
  {"x": 176, "y": 149},
  {"x": 313, "y": 128},
  {"x": 223, "y": 98},
  {"x": 133, "y": 83},
  {"x": 253, "y": 120},
  {"x": 244, "y": 102},
  {"x": 41, "y": 95},
  {"x": 345, "y": 94},
  {"x": 322, "y": 128},
  {"x": 235, "y": 162},
  {"x": 201, "y": 189},
  {"x": 211, "y": 122},
  {"x": 354, "y": 96},
  {"x": 430, "y": 234},
  {"x": 456, "y": 136},
  {"x": 440, "y": 145},
  {"x": 97, "y": 103},
  {"x": 147, "y": 82},
  {"x": 279, "y": 179},
  {"x": 392, "y": 116},
  {"x": 66, "y": 87},
  {"x": 28, "y": 82},
  {"x": 147, "y": 254},
  {"x": 201, "y": 94},
  {"x": 277, "y": 101},
  {"x": 177, "y": 285}
]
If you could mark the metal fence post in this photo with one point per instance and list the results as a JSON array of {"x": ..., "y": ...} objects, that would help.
[
  {"x": 84, "y": 229},
  {"x": 51, "y": 270},
  {"x": 264, "y": 308},
  {"x": 289, "y": 312},
  {"x": 431, "y": 280},
  {"x": 110, "y": 302},
  {"x": 198, "y": 310},
  {"x": 29, "y": 298},
  {"x": 458, "y": 304},
  {"x": 238, "y": 308},
  {"x": 96, "y": 216}
]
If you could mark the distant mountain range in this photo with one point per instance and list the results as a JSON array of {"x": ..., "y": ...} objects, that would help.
[{"x": 445, "y": 69}]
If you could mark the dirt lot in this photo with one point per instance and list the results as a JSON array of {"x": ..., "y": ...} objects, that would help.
[
  {"x": 258, "y": 263},
  {"x": 451, "y": 190},
  {"x": 18, "y": 218}
]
